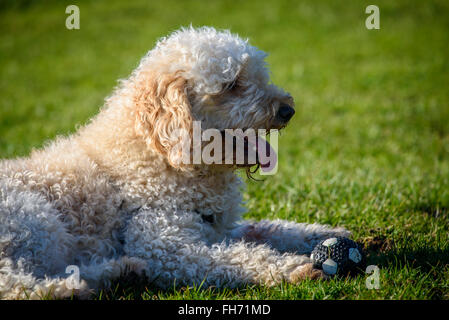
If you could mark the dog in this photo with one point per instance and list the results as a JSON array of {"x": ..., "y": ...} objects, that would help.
[{"x": 114, "y": 199}]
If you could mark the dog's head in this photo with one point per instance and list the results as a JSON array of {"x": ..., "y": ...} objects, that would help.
[{"x": 209, "y": 77}]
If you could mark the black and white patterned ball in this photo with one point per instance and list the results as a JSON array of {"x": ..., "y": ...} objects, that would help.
[{"x": 338, "y": 256}]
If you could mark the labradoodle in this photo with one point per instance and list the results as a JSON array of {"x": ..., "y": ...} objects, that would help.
[{"x": 113, "y": 198}]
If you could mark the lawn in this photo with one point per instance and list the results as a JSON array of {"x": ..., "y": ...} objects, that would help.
[{"x": 368, "y": 148}]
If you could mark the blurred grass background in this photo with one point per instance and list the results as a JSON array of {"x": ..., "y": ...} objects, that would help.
[{"x": 368, "y": 148}]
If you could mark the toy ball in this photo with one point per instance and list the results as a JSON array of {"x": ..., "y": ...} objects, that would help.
[{"x": 338, "y": 256}]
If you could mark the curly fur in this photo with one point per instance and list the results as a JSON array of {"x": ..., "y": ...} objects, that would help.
[{"x": 113, "y": 199}]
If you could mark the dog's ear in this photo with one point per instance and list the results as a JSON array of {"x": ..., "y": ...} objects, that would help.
[{"x": 163, "y": 115}]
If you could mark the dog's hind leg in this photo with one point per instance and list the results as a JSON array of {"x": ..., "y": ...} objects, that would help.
[
  {"x": 99, "y": 274},
  {"x": 35, "y": 247},
  {"x": 17, "y": 283},
  {"x": 286, "y": 236}
]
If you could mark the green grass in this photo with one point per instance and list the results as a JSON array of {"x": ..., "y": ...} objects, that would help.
[{"x": 368, "y": 148}]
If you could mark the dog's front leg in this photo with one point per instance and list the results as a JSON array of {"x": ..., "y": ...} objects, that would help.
[
  {"x": 173, "y": 247},
  {"x": 286, "y": 236}
]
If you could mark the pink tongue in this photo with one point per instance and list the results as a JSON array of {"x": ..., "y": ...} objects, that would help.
[{"x": 265, "y": 153}]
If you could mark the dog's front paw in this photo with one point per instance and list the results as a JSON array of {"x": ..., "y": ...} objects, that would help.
[
  {"x": 306, "y": 271},
  {"x": 341, "y": 232}
]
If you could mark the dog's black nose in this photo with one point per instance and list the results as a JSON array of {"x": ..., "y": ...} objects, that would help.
[{"x": 285, "y": 112}]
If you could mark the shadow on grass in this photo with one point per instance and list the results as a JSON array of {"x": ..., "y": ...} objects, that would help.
[
  {"x": 426, "y": 259},
  {"x": 434, "y": 210},
  {"x": 135, "y": 287}
]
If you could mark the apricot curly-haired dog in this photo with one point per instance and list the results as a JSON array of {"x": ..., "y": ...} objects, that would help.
[{"x": 112, "y": 198}]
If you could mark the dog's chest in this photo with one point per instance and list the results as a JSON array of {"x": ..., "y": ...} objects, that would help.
[{"x": 211, "y": 198}]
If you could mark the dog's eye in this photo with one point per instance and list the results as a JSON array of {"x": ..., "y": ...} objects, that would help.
[{"x": 232, "y": 85}]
